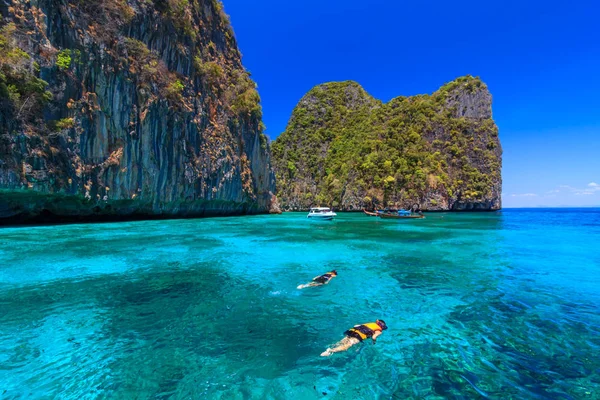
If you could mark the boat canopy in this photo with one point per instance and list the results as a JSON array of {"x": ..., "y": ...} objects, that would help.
[{"x": 314, "y": 209}]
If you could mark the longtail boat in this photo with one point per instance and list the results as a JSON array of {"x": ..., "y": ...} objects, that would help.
[
  {"x": 397, "y": 216},
  {"x": 369, "y": 213}
]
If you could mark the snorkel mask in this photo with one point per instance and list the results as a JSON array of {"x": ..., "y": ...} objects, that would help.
[{"x": 381, "y": 323}]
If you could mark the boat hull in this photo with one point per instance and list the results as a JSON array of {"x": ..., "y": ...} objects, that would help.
[
  {"x": 392, "y": 216},
  {"x": 321, "y": 217},
  {"x": 370, "y": 214}
]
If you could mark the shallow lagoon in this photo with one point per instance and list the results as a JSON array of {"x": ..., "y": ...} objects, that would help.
[{"x": 498, "y": 305}]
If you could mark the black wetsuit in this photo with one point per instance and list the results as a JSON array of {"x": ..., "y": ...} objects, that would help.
[{"x": 323, "y": 279}]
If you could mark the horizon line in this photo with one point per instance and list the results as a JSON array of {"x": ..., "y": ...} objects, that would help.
[{"x": 594, "y": 206}]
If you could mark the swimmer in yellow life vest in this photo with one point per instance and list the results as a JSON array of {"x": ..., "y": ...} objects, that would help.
[
  {"x": 320, "y": 280},
  {"x": 356, "y": 335}
]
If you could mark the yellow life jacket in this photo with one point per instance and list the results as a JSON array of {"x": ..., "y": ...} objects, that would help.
[{"x": 366, "y": 330}]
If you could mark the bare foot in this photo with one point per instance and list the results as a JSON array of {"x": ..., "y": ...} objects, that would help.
[{"x": 326, "y": 353}]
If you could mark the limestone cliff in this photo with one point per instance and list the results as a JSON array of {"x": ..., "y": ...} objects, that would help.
[
  {"x": 345, "y": 149},
  {"x": 127, "y": 108}
]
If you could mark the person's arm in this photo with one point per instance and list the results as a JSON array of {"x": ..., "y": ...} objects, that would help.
[{"x": 375, "y": 336}]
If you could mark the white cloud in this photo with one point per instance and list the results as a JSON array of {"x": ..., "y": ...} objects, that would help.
[
  {"x": 590, "y": 189},
  {"x": 570, "y": 188},
  {"x": 523, "y": 195}
]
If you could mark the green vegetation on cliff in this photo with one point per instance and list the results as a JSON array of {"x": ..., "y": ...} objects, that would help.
[
  {"x": 144, "y": 102},
  {"x": 345, "y": 149},
  {"x": 22, "y": 92}
]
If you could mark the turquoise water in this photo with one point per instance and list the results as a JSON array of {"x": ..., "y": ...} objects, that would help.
[{"x": 500, "y": 305}]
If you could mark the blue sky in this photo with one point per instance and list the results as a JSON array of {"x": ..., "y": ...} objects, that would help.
[{"x": 541, "y": 61}]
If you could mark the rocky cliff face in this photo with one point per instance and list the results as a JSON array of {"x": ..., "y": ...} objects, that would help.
[
  {"x": 127, "y": 108},
  {"x": 345, "y": 149}
]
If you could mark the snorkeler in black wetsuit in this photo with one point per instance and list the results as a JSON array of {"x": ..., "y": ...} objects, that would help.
[{"x": 320, "y": 280}]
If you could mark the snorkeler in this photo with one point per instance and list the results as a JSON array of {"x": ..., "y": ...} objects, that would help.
[
  {"x": 356, "y": 335},
  {"x": 320, "y": 280}
]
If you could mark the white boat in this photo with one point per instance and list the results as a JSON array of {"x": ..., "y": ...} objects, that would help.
[{"x": 321, "y": 213}]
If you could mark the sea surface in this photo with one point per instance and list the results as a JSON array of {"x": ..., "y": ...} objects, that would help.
[{"x": 500, "y": 305}]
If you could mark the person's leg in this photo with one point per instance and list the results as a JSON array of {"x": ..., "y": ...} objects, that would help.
[
  {"x": 345, "y": 344},
  {"x": 342, "y": 345},
  {"x": 311, "y": 284}
]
